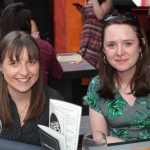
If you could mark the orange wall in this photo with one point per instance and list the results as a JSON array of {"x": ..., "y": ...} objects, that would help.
[
  {"x": 67, "y": 26},
  {"x": 59, "y": 26},
  {"x": 74, "y": 26}
]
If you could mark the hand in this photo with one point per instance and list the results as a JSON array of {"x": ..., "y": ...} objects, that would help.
[{"x": 79, "y": 7}]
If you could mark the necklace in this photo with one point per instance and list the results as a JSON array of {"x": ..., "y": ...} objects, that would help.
[{"x": 23, "y": 109}]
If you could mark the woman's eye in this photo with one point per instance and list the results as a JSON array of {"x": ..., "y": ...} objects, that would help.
[
  {"x": 128, "y": 44},
  {"x": 13, "y": 63},
  {"x": 32, "y": 62},
  {"x": 111, "y": 45}
]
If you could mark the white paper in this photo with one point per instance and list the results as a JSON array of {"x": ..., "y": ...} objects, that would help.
[
  {"x": 58, "y": 136},
  {"x": 71, "y": 123},
  {"x": 69, "y": 57},
  {"x": 61, "y": 116}
]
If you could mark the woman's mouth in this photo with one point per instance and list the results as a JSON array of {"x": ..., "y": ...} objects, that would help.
[{"x": 22, "y": 79}]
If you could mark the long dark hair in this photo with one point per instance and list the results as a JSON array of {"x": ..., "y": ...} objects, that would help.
[
  {"x": 12, "y": 45},
  {"x": 139, "y": 84}
]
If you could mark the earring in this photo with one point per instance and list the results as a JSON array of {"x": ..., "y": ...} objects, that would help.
[
  {"x": 141, "y": 56},
  {"x": 1, "y": 71},
  {"x": 104, "y": 60}
]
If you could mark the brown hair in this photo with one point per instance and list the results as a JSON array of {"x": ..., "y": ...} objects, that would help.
[
  {"x": 139, "y": 84},
  {"x": 12, "y": 44}
]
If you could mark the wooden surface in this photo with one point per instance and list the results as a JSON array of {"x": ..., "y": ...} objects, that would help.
[{"x": 143, "y": 148}]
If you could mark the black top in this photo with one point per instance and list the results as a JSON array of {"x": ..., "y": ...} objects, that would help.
[{"x": 29, "y": 132}]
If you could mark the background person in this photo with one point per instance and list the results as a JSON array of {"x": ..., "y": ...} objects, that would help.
[
  {"x": 24, "y": 100},
  {"x": 93, "y": 14},
  {"x": 17, "y": 17},
  {"x": 119, "y": 98},
  {"x": 33, "y": 27},
  {"x": 34, "y": 30}
]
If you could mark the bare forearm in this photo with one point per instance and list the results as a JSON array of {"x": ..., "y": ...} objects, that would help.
[
  {"x": 111, "y": 139},
  {"x": 102, "y": 10},
  {"x": 98, "y": 10}
]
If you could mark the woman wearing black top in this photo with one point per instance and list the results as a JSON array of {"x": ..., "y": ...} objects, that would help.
[{"x": 24, "y": 101}]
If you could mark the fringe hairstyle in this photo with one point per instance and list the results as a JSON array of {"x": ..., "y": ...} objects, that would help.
[{"x": 12, "y": 45}]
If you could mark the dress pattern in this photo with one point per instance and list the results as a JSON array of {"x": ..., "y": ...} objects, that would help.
[
  {"x": 91, "y": 36},
  {"x": 124, "y": 121}
]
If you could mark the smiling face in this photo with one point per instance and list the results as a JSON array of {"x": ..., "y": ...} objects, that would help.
[
  {"x": 21, "y": 74},
  {"x": 121, "y": 47}
]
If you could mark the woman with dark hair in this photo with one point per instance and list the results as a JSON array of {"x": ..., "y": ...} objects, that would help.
[
  {"x": 24, "y": 100},
  {"x": 119, "y": 98},
  {"x": 93, "y": 14}
]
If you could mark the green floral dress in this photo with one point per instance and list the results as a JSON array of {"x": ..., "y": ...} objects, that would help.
[{"x": 124, "y": 121}]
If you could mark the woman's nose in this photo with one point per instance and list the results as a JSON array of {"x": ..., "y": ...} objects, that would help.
[
  {"x": 120, "y": 50},
  {"x": 23, "y": 70}
]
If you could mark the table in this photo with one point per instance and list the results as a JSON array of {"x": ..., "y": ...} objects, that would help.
[
  {"x": 13, "y": 145},
  {"x": 85, "y": 126},
  {"x": 69, "y": 86},
  {"x": 129, "y": 145}
]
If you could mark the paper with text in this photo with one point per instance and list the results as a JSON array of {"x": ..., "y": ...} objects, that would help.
[{"x": 68, "y": 117}]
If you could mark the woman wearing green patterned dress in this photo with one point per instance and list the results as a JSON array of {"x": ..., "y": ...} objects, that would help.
[{"x": 119, "y": 97}]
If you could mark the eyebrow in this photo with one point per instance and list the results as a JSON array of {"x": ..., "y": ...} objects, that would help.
[
  {"x": 123, "y": 41},
  {"x": 129, "y": 40}
]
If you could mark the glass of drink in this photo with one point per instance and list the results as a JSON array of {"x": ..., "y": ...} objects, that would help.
[{"x": 94, "y": 140}]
